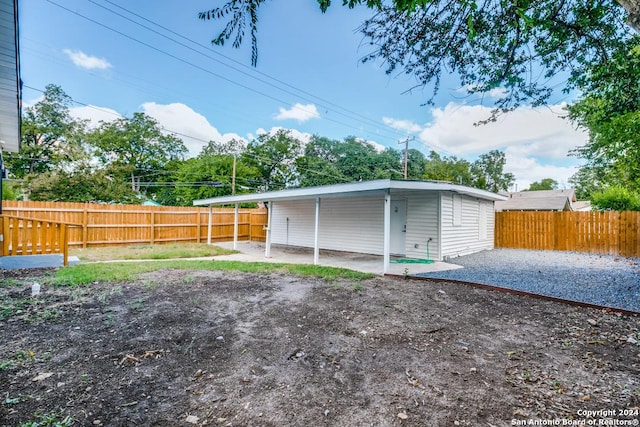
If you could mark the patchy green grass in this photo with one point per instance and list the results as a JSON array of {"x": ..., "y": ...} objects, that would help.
[
  {"x": 10, "y": 282},
  {"x": 20, "y": 358},
  {"x": 11, "y": 306},
  {"x": 171, "y": 251},
  {"x": 48, "y": 420},
  {"x": 84, "y": 274}
]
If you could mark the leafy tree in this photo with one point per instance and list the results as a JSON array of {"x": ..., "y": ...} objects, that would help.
[
  {"x": 135, "y": 146},
  {"x": 318, "y": 164},
  {"x": 388, "y": 163},
  {"x": 415, "y": 164},
  {"x": 81, "y": 185},
  {"x": 451, "y": 169},
  {"x": 51, "y": 138},
  {"x": 616, "y": 198},
  {"x": 489, "y": 45},
  {"x": 159, "y": 186},
  {"x": 610, "y": 110},
  {"x": 9, "y": 191},
  {"x": 488, "y": 172},
  {"x": 358, "y": 160},
  {"x": 355, "y": 159},
  {"x": 274, "y": 156},
  {"x": 544, "y": 184},
  {"x": 210, "y": 175},
  {"x": 587, "y": 181},
  {"x": 327, "y": 161}
]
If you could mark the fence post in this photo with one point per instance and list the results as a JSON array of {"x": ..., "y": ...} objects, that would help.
[
  {"x": 8, "y": 238},
  {"x": 622, "y": 233},
  {"x": 85, "y": 228},
  {"x": 153, "y": 227},
  {"x": 2, "y": 235},
  {"x": 210, "y": 225},
  {"x": 65, "y": 244},
  {"x": 198, "y": 225}
]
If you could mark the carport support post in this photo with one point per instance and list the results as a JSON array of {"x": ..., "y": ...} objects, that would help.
[
  {"x": 267, "y": 246},
  {"x": 210, "y": 226},
  {"x": 235, "y": 228},
  {"x": 316, "y": 247},
  {"x": 387, "y": 232}
]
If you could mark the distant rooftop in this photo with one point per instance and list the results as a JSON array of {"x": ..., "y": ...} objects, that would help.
[{"x": 543, "y": 200}]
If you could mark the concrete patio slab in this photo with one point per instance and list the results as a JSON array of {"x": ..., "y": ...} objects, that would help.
[
  {"x": 254, "y": 252},
  {"x": 35, "y": 261}
]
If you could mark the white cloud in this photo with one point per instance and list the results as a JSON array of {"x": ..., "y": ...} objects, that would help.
[
  {"x": 495, "y": 93},
  {"x": 536, "y": 141},
  {"x": 532, "y": 131},
  {"x": 303, "y": 137},
  {"x": 299, "y": 112},
  {"x": 402, "y": 125},
  {"x": 192, "y": 127},
  {"x": 85, "y": 61},
  {"x": 94, "y": 115},
  {"x": 376, "y": 145},
  {"x": 529, "y": 169}
]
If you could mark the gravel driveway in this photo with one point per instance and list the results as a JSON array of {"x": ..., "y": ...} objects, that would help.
[{"x": 612, "y": 281}]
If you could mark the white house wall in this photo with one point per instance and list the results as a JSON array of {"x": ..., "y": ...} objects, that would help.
[
  {"x": 468, "y": 235},
  {"x": 355, "y": 224},
  {"x": 422, "y": 224},
  {"x": 346, "y": 224}
]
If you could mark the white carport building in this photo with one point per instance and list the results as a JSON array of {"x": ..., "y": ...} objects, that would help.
[{"x": 412, "y": 219}]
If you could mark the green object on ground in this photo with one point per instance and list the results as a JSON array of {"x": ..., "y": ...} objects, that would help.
[{"x": 411, "y": 261}]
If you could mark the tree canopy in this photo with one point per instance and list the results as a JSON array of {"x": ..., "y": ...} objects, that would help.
[
  {"x": 489, "y": 174},
  {"x": 609, "y": 110},
  {"x": 543, "y": 184},
  {"x": 135, "y": 145},
  {"x": 132, "y": 159},
  {"x": 51, "y": 138},
  {"x": 513, "y": 46},
  {"x": 616, "y": 198}
]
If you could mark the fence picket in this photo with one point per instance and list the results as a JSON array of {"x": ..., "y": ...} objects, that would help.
[
  {"x": 99, "y": 225},
  {"x": 616, "y": 233}
]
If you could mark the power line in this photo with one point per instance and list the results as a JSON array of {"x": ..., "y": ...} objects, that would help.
[
  {"x": 245, "y": 153},
  {"x": 253, "y": 70},
  {"x": 196, "y": 66}
]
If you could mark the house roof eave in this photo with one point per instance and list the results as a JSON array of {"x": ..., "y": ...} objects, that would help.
[{"x": 340, "y": 190}]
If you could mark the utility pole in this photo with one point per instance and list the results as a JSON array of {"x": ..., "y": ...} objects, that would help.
[{"x": 406, "y": 153}]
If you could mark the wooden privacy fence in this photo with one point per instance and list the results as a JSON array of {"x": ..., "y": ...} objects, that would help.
[
  {"x": 92, "y": 225},
  {"x": 616, "y": 233},
  {"x": 24, "y": 236}
]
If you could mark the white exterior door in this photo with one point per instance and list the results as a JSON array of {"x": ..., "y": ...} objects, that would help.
[{"x": 398, "y": 224}]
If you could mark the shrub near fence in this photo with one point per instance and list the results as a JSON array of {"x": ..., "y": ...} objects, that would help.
[
  {"x": 101, "y": 225},
  {"x": 615, "y": 233}
]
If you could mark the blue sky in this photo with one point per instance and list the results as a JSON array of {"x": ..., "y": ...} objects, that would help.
[{"x": 308, "y": 79}]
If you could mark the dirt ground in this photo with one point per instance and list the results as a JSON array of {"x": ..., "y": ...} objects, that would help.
[{"x": 234, "y": 349}]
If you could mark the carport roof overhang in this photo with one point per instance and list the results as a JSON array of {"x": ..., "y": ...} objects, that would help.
[{"x": 381, "y": 186}]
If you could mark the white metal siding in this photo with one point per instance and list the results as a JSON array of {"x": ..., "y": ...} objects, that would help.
[
  {"x": 356, "y": 224},
  {"x": 465, "y": 238},
  {"x": 293, "y": 222},
  {"x": 346, "y": 224},
  {"x": 422, "y": 224}
]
